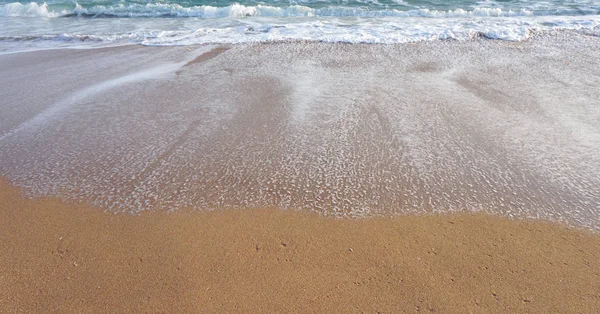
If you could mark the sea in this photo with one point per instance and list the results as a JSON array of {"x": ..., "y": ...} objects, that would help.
[{"x": 96, "y": 23}]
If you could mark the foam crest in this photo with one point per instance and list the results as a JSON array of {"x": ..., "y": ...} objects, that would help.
[
  {"x": 385, "y": 31},
  {"x": 240, "y": 11},
  {"x": 32, "y": 9}
]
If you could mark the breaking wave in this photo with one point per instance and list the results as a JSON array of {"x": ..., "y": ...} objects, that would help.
[
  {"x": 34, "y": 25},
  {"x": 131, "y": 10}
]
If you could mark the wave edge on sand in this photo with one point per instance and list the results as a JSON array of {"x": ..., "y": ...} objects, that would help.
[{"x": 61, "y": 257}]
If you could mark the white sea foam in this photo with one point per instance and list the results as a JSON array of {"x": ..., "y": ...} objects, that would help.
[
  {"x": 32, "y": 9},
  {"x": 381, "y": 30},
  {"x": 45, "y": 25}
]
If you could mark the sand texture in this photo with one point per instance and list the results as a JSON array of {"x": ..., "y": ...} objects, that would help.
[{"x": 70, "y": 258}]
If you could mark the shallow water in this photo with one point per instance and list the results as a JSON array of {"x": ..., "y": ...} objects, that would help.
[{"x": 346, "y": 130}]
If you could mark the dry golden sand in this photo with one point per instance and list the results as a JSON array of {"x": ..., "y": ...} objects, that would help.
[{"x": 70, "y": 258}]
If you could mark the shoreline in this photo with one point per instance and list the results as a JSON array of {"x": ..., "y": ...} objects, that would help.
[
  {"x": 345, "y": 130},
  {"x": 65, "y": 257},
  {"x": 117, "y": 155},
  {"x": 535, "y": 35}
]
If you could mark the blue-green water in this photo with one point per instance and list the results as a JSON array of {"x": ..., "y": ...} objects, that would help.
[
  {"x": 97, "y": 23},
  {"x": 175, "y": 8}
]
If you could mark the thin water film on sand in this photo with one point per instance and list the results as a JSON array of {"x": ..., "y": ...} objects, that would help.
[{"x": 345, "y": 130}]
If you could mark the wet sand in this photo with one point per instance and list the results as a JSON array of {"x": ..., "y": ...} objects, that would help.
[
  {"x": 71, "y": 258},
  {"x": 342, "y": 130}
]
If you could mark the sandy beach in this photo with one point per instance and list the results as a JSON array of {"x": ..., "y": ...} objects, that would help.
[
  {"x": 71, "y": 258},
  {"x": 446, "y": 176}
]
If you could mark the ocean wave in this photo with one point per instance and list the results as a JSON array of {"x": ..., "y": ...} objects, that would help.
[
  {"x": 32, "y": 9},
  {"x": 53, "y": 27},
  {"x": 133, "y": 10},
  {"x": 312, "y": 31}
]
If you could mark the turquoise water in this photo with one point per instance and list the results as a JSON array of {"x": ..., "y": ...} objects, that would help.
[
  {"x": 100, "y": 23},
  {"x": 332, "y": 8}
]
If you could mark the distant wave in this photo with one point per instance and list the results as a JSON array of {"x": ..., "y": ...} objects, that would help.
[{"x": 132, "y": 10}]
